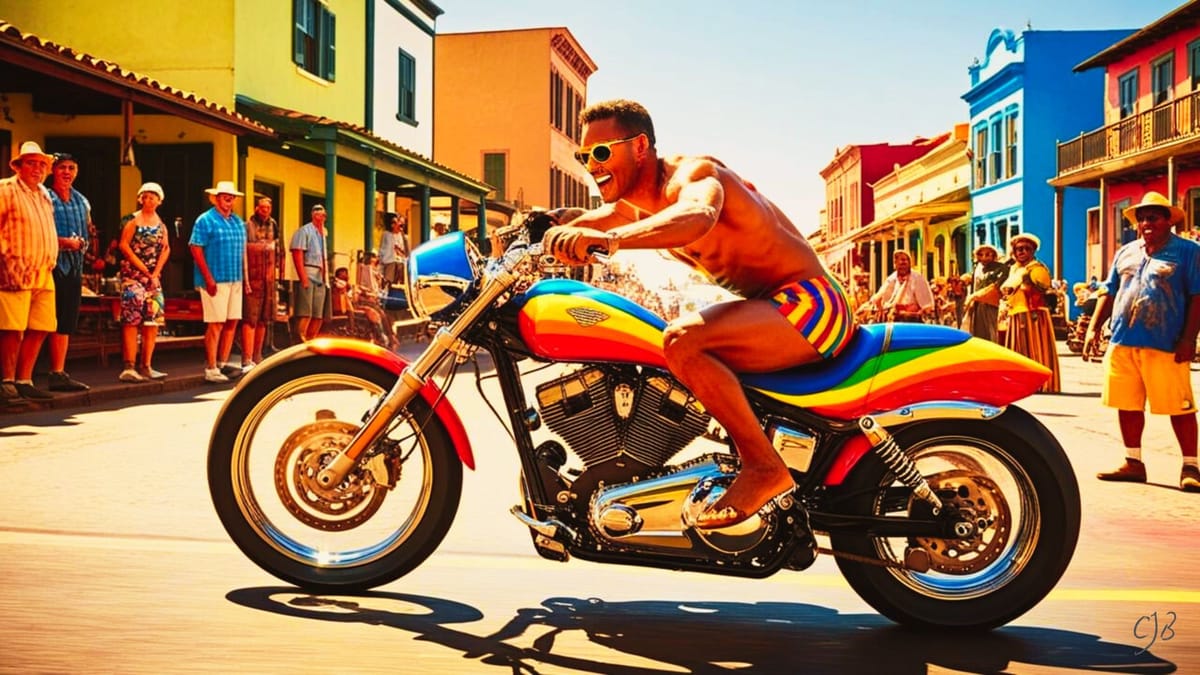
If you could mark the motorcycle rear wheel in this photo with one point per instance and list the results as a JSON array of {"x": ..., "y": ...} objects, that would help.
[
  {"x": 1026, "y": 504},
  {"x": 287, "y": 422}
]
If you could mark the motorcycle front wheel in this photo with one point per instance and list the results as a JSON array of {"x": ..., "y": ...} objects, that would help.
[
  {"x": 284, "y": 425},
  {"x": 1010, "y": 478}
]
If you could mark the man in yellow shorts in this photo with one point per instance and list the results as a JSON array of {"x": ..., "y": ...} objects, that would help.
[
  {"x": 28, "y": 254},
  {"x": 1154, "y": 301}
]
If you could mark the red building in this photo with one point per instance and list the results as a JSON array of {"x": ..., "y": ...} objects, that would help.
[
  {"x": 850, "y": 202},
  {"x": 1151, "y": 137}
]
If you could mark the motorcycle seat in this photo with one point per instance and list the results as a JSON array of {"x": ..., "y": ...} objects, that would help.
[{"x": 868, "y": 342}]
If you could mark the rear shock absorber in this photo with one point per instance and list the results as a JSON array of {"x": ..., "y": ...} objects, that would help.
[{"x": 884, "y": 444}]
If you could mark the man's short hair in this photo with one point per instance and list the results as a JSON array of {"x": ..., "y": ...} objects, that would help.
[{"x": 630, "y": 116}]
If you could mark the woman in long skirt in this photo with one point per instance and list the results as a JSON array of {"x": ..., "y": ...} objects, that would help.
[{"x": 1030, "y": 331}]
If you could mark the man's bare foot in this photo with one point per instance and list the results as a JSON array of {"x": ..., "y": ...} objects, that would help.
[{"x": 749, "y": 492}]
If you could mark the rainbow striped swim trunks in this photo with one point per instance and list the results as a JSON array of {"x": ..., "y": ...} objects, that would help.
[{"x": 818, "y": 309}]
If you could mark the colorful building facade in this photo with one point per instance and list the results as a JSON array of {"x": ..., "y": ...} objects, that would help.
[
  {"x": 301, "y": 72},
  {"x": 1023, "y": 97},
  {"x": 1148, "y": 137},
  {"x": 854, "y": 236},
  {"x": 519, "y": 128}
]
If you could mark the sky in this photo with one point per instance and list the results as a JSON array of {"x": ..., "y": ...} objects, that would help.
[{"x": 774, "y": 87}]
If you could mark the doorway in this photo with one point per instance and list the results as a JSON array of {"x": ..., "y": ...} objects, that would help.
[{"x": 185, "y": 171}]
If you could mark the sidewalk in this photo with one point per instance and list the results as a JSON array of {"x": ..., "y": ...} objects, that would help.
[{"x": 184, "y": 368}]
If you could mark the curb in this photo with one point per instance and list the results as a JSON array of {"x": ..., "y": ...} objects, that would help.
[{"x": 105, "y": 394}]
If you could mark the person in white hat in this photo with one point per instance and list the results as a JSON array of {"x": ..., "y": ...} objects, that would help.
[
  {"x": 1030, "y": 331},
  {"x": 145, "y": 249},
  {"x": 310, "y": 255},
  {"x": 218, "y": 246},
  {"x": 982, "y": 306},
  {"x": 28, "y": 255},
  {"x": 1154, "y": 300}
]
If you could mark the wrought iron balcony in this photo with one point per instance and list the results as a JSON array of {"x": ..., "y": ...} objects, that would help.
[{"x": 1161, "y": 125}]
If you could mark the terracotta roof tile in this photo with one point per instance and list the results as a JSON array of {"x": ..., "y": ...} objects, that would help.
[{"x": 12, "y": 34}]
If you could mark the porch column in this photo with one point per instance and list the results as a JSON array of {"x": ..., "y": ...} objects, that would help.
[
  {"x": 454, "y": 207},
  {"x": 1171, "y": 180},
  {"x": 1058, "y": 232},
  {"x": 426, "y": 214},
  {"x": 1106, "y": 237},
  {"x": 481, "y": 233},
  {"x": 369, "y": 207},
  {"x": 330, "y": 183}
]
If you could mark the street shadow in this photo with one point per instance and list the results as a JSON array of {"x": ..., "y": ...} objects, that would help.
[
  {"x": 69, "y": 414},
  {"x": 708, "y": 637}
]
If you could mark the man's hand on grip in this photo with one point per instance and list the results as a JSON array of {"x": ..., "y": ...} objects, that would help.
[{"x": 571, "y": 244}]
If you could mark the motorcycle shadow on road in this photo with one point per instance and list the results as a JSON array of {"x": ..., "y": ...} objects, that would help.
[{"x": 702, "y": 636}]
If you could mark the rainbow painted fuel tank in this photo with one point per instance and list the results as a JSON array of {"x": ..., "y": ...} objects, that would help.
[
  {"x": 565, "y": 320},
  {"x": 885, "y": 366}
]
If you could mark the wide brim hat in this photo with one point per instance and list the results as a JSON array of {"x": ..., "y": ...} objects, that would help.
[
  {"x": 1153, "y": 198},
  {"x": 1031, "y": 238},
  {"x": 152, "y": 187},
  {"x": 30, "y": 148},
  {"x": 982, "y": 247},
  {"x": 225, "y": 187}
]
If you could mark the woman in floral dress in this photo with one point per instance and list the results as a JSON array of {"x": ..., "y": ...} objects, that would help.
[{"x": 144, "y": 252}]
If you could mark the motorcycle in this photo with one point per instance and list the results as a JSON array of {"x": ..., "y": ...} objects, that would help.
[{"x": 337, "y": 466}]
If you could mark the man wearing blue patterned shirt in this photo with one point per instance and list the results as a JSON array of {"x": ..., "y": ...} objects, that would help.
[
  {"x": 218, "y": 247},
  {"x": 72, "y": 217}
]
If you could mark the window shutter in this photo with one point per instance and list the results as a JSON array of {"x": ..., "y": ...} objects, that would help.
[
  {"x": 298, "y": 31},
  {"x": 330, "y": 38}
]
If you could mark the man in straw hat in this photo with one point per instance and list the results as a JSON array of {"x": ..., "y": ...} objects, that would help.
[
  {"x": 28, "y": 255},
  {"x": 1154, "y": 300},
  {"x": 218, "y": 247}
]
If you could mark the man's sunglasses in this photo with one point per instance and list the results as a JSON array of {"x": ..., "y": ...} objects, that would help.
[{"x": 601, "y": 152}]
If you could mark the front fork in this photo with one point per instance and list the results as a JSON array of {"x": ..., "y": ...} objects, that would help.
[{"x": 413, "y": 379}]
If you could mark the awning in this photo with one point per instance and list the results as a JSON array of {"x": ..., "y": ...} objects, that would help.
[
  {"x": 40, "y": 66},
  {"x": 358, "y": 144},
  {"x": 915, "y": 212}
]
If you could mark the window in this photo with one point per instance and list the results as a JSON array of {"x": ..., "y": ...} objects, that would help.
[
  {"x": 1128, "y": 87},
  {"x": 1010, "y": 143},
  {"x": 313, "y": 38},
  {"x": 997, "y": 142},
  {"x": 1128, "y": 230},
  {"x": 1162, "y": 78},
  {"x": 980, "y": 150},
  {"x": 407, "y": 105},
  {"x": 565, "y": 106},
  {"x": 495, "y": 172},
  {"x": 1194, "y": 64}
]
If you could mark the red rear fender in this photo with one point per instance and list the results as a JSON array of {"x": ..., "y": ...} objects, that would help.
[{"x": 376, "y": 355}]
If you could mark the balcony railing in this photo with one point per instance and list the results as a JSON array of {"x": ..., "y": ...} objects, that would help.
[{"x": 1139, "y": 132}]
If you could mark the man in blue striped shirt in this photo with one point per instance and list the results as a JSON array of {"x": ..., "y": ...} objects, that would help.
[
  {"x": 72, "y": 216},
  {"x": 218, "y": 247}
]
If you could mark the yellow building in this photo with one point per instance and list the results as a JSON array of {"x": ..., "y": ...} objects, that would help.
[
  {"x": 507, "y": 106},
  {"x": 297, "y": 73}
]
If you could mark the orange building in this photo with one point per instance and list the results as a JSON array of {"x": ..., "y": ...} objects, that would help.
[{"x": 507, "y": 105}]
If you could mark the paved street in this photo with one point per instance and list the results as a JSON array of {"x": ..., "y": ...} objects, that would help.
[{"x": 114, "y": 561}]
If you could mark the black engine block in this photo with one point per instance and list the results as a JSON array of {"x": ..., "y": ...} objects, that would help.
[{"x": 608, "y": 413}]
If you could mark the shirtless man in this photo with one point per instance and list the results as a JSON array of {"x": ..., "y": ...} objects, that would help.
[{"x": 794, "y": 311}]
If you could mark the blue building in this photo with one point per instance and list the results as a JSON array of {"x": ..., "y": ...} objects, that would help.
[{"x": 1024, "y": 98}]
